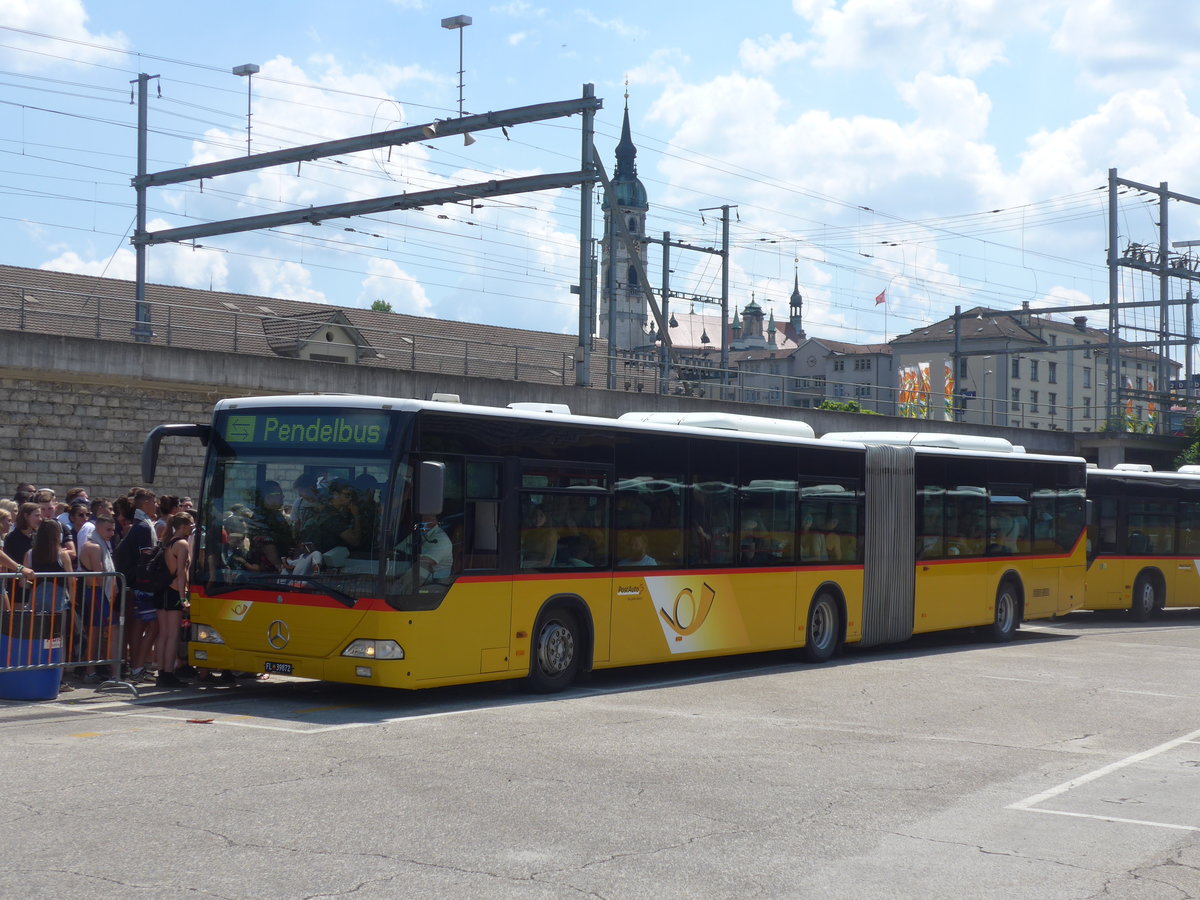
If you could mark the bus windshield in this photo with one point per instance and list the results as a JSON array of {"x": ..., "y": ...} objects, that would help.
[{"x": 283, "y": 516}]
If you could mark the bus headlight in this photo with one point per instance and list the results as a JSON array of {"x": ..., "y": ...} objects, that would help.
[
  {"x": 206, "y": 634},
  {"x": 367, "y": 649}
]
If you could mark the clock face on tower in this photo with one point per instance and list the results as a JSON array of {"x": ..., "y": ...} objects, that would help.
[{"x": 812, "y": 360}]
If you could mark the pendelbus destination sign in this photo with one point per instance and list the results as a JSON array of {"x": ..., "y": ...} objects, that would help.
[{"x": 308, "y": 429}]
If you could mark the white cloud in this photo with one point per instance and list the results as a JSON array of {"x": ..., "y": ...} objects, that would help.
[
  {"x": 387, "y": 281},
  {"x": 165, "y": 264},
  {"x": 516, "y": 38},
  {"x": 946, "y": 103},
  {"x": 284, "y": 279},
  {"x": 965, "y": 36},
  {"x": 616, "y": 26},
  {"x": 859, "y": 159},
  {"x": 65, "y": 19},
  {"x": 1150, "y": 135},
  {"x": 765, "y": 53},
  {"x": 519, "y": 9},
  {"x": 1122, "y": 45}
]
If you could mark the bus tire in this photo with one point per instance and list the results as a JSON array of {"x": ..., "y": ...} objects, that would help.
[
  {"x": 1008, "y": 612},
  {"x": 1145, "y": 598},
  {"x": 554, "y": 651},
  {"x": 823, "y": 631}
]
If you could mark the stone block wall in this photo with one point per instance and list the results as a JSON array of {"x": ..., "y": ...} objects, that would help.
[{"x": 63, "y": 433}]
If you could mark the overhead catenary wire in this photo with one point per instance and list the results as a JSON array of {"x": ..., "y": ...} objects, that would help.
[{"x": 504, "y": 245}]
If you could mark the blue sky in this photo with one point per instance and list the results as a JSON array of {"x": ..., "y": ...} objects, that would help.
[{"x": 865, "y": 144}]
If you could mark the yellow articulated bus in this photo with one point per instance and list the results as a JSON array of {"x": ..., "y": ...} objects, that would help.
[
  {"x": 1144, "y": 536},
  {"x": 411, "y": 544}
]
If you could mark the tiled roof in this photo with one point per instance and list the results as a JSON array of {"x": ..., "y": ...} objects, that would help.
[
  {"x": 847, "y": 349},
  {"x": 39, "y": 301}
]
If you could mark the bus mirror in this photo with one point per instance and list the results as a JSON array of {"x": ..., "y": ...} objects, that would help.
[
  {"x": 431, "y": 486},
  {"x": 155, "y": 437}
]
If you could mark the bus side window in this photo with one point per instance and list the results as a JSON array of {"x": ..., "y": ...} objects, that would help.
[
  {"x": 1188, "y": 520},
  {"x": 710, "y": 541},
  {"x": 649, "y": 520},
  {"x": 1107, "y": 518},
  {"x": 482, "y": 520}
]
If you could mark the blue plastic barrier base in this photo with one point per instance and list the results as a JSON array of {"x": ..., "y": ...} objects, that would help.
[{"x": 39, "y": 684}]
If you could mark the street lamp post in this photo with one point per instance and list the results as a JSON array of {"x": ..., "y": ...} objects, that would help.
[
  {"x": 459, "y": 24},
  {"x": 247, "y": 71}
]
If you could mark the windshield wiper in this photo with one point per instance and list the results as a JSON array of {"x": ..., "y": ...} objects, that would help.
[{"x": 340, "y": 596}]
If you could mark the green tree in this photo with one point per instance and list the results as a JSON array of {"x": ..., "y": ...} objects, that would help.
[
  {"x": 1191, "y": 456},
  {"x": 846, "y": 406},
  {"x": 381, "y": 306}
]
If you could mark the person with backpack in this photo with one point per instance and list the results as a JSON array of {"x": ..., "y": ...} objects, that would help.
[
  {"x": 174, "y": 556},
  {"x": 141, "y": 617}
]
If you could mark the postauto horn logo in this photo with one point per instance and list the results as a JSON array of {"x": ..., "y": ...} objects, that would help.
[{"x": 687, "y": 615}]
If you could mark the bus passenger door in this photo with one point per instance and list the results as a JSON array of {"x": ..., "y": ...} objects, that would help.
[
  {"x": 952, "y": 568},
  {"x": 467, "y": 633}
]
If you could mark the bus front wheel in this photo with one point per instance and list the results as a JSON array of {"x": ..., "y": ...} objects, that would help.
[
  {"x": 555, "y": 652},
  {"x": 1008, "y": 613},
  {"x": 824, "y": 628},
  {"x": 1145, "y": 599}
]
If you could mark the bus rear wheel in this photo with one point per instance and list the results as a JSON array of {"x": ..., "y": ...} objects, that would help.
[
  {"x": 823, "y": 629},
  {"x": 1145, "y": 599},
  {"x": 1008, "y": 613},
  {"x": 555, "y": 652}
]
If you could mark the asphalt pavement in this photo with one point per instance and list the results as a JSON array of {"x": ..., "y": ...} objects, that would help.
[{"x": 1064, "y": 764}]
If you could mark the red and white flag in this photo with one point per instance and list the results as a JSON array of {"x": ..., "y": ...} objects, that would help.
[{"x": 881, "y": 297}]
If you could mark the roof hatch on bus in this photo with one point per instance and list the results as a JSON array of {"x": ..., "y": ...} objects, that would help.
[
  {"x": 925, "y": 439},
  {"x": 724, "y": 422}
]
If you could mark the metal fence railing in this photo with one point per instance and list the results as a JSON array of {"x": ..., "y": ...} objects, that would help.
[{"x": 54, "y": 621}]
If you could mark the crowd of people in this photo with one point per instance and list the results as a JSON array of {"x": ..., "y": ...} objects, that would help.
[{"x": 44, "y": 535}]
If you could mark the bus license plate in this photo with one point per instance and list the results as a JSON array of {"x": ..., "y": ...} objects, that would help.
[{"x": 279, "y": 668}]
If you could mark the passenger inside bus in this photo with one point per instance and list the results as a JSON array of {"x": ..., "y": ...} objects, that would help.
[
  {"x": 812, "y": 542},
  {"x": 637, "y": 552},
  {"x": 538, "y": 540},
  {"x": 434, "y": 551},
  {"x": 833, "y": 540}
]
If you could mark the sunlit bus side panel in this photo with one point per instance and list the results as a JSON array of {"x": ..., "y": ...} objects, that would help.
[
  {"x": 1145, "y": 541},
  {"x": 982, "y": 520}
]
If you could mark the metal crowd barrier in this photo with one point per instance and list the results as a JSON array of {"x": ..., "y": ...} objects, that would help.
[{"x": 54, "y": 621}]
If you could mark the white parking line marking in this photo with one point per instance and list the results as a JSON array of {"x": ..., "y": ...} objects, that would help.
[
  {"x": 1077, "y": 815},
  {"x": 1030, "y": 804},
  {"x": 1149, "y": 694}
]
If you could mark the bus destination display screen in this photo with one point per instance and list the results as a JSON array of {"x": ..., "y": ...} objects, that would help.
[{"x": 306, "y": 430}]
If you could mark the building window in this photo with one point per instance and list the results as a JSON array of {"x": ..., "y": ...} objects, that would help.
[
  {"x": 1053, "y": 372},
  {"x": 1087, "y": 407},
  {"x": 1139, "y": 381},
  {"x": 1087, "y": 376},
  {"x": 1033, "y": 401},
  {"x": 1054, "y": 340},
  {"x": 1033, "y": 370},
  {"x": 632, "y": 276},
  {"x": 862, "y": 365},
  {"x": 1016, "y": 367},
  {"x": 839, "y": 365},
  {"x": 1016, "y": 395},
  {"x": 633, "y": 225},
  {"x": 1053, "y": 404},
  {"x": 862, "y": 390}
]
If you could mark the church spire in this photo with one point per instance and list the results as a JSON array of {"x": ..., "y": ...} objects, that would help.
[
  {"x": 796, "y": 309},
  {"x": 626, "y": 151},
  {"x": 626, "y": 185}
]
